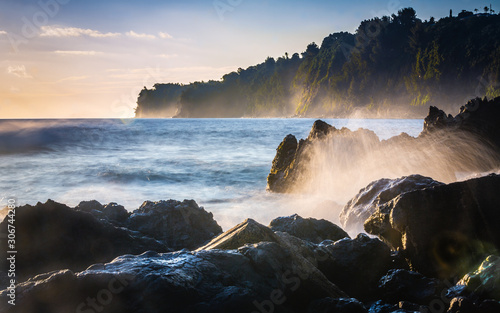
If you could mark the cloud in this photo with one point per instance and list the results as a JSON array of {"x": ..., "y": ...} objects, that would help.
[
  {"x": 137, "y": 35},
  {"x": 72, "y": 78},
  {"x": 83, "y": 53},
  {"x": 165, "y": 35},
  {"x": 3, "y": 32},
  {"x": 167, "y": 56},
  {"x": 58, "y": 31},
  {"x": 19, "y": 71}
]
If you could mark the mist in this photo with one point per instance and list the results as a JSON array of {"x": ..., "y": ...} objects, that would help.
[{"x": 334, "y": 168}]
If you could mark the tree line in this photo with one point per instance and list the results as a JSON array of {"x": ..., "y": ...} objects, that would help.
[{"x": 392, "y": 66}]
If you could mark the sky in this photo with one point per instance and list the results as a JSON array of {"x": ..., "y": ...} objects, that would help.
[{"x": 90, "y": 58}]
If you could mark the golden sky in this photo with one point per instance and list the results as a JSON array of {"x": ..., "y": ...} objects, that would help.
[{"x": 89, "y": 58}]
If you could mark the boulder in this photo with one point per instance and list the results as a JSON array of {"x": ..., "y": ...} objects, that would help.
[
  {"x": 377, "y": 193},
  {"x": 247, "y": 232},
  {"x": 177, "y": 224},
  {"x": 256, "y": 278},
  {"x": 444, "y": 230},
  {"x": 356, "y": 265},
  {"x": 402, "y": 285},
  {"x": 309, "y": 229},
  {"x": 339, "y": 305},
  {"x": 484, "y": 282},
  {"x": 52, "y": 236}
]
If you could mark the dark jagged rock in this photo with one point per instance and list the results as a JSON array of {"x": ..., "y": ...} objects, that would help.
[
  {"x": 356, "y": 265},
  {"x": 255, "y": 278},
  {"x": 178, "y": 224},
  {"x": 379, "y": 192},
  {"x": 340, "y": 305},
  {"x": 468, "y": 142},
  {"x": 444, "y": 230},
  {"x": 309, "y": 229},
  {"x": 402, "y": 285},
  {"x": 290, "y": 169},
  {"x": 285, "y": 154},
  {"x": 320, "y": 129},
  {"x": 478, "y": 116},
  {"x": 52, "y": 236}
]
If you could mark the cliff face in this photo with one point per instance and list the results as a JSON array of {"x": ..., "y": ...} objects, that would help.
[{"x": 391, "y": 67}]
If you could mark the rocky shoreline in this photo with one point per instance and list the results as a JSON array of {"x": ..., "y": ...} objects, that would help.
[{"x": 433, "y": 246}]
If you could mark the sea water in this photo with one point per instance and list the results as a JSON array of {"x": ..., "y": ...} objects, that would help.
[{"x": 220, "y": 163}]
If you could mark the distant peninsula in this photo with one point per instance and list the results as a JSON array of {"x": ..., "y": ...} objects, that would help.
[{"x": 391, "y": 67}]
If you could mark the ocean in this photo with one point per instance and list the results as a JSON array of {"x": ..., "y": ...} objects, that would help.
[{"x": 220, "y": 163}]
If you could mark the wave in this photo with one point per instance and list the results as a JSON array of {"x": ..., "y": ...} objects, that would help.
[{"x": 20, "y": 136}]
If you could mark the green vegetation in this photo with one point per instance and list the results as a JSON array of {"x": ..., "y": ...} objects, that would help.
[{"x": 391, "y": 67}]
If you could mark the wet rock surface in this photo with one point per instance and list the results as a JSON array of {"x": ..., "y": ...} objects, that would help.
[
  {"x": 377, "y": 193},
  {"x": 309, "y": 229},
  {"x": 356, "y": 265},
  {"x": 178, "y": 224},
  {"x": 444, "y": 230},
  {"x": 52, "y": 236},
  {"x": 254, "y": 277}
]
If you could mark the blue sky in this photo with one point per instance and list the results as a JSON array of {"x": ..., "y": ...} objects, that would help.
[{"x": 88, "y": 58}]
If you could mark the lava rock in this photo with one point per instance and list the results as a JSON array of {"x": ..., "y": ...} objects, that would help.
[
  {"x": 309, "y": 229},
  {"x": 444, "y": 230},
  {"x": 177, "y": 224},
  {"x": 340, "y": 305},
  {"x": 379, "y": 192},
  {"x": 52, "y": 236},
  {"x": 260, "y": 277},
  {"x": 356, "y": 265}
]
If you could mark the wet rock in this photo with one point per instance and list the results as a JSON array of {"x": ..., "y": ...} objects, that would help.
[
  {"x": 402, "y": 285},
  {"x": 381, "y": 307},
  {"x": 320, "y": 129},
  {"x": 483, "y": 282},
  {"x": 377, "y": 193},
  {"x": 444, "y": 230},
  {"x": 340, "y": 305},
  {"x": 177, "y": 224},
  {"x": 285, "y": 154},
  {"x": 247, "y": 232},
  {"x": 462, "y": 305},
  {"x": 115, "y": 213},
  {"x": 356, "y": 265},
  {"x": 52, "y": 236},
  {"x": 309, "y": 229},
  {"x": 256, "y": 278}
]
